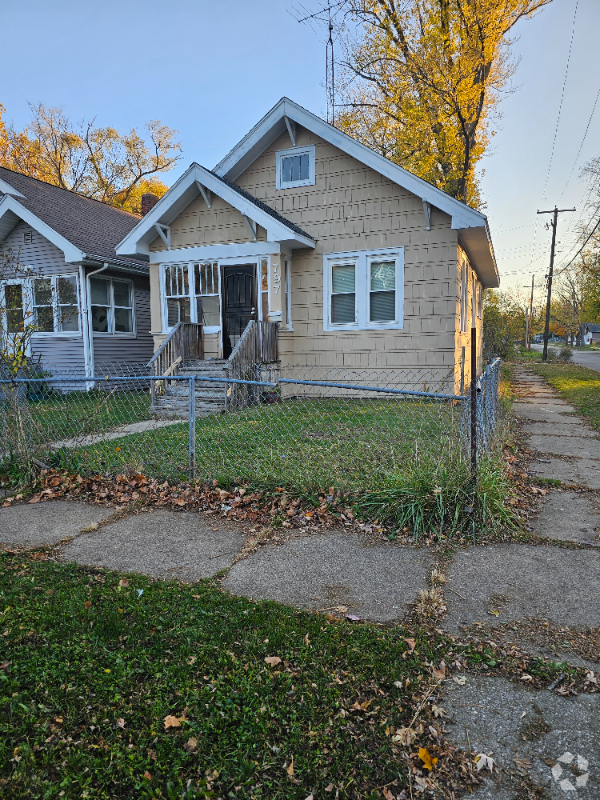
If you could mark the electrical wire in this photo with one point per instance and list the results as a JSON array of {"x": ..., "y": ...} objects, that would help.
[
  {"x": 581, "y": 145},
  {"x": 581, "y": 249}
]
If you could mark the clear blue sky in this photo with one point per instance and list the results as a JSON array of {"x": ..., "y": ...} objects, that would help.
[{"x": 211, "y": 70}]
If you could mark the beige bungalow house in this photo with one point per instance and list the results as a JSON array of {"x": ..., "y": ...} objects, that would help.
[{"x": 360, "y": 263}]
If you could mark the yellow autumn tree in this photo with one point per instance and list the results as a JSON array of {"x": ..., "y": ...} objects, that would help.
[
  {"x": 422, "y": 79},
  {"x": 91, "y": 160}
]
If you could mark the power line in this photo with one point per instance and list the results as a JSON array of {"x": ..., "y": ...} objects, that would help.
[
  {"x": 562, "y": 97},
  {"x": 581, "y": 145},
  {"x": 581, "y": 249}
]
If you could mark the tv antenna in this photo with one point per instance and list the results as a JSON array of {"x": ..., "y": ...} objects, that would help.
[{"x": 326, "y": 15}]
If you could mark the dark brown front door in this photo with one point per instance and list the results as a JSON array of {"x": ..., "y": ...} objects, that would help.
[{"x": 239, "y": 303}]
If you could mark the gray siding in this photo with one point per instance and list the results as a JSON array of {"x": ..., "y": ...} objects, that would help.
[
  {"x": 58, "y": 353},
  {"x": 128, "y": 349}
]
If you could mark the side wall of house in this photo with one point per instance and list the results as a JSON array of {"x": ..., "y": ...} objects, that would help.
[
  {"x": 136, "y": 348},
  {"x": 352, "y": 207},
  {"x": 462, "y": 350},
  {"x": 64, "y": 352}
]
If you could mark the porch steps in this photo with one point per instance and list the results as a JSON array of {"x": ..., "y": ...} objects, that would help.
[{"x": 210, "y": 398}]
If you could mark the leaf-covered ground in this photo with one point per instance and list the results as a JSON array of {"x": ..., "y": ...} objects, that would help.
[{"x": 119, "y": 687}]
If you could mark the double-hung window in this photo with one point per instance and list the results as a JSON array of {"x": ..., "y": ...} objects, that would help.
[
  {"x": 112, "y": 305},
  {"x": 56, "y": 304},
  {"x": 363, "y": 290},
  {"x": 295, "y": 167}
]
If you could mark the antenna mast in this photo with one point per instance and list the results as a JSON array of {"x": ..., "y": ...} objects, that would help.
[{"x": 330, "y": 73}]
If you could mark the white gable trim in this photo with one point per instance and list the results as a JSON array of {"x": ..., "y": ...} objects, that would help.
[
  {"x": 214, "y": 252},
  {"x": 183, "y": 192},
  {"x": 6, "y": 188},
  {"x": 8, "y": 206}
]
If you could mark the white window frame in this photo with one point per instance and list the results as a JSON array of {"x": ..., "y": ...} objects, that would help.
[
  {"x": 194, "y": 295},
  {"x": 288, "y": 294},
  {"x": 55, "y": 304},
  {"x": 362, "y": 260},
  {"x": 295, "y": 151},
  {"x": 112, "y": 333}
]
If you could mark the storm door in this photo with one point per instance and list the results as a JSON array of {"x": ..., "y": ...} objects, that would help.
[{"x": 239, "y": 303}]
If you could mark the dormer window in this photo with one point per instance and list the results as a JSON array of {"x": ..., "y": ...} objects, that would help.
[{"x": 296, "y": 167}]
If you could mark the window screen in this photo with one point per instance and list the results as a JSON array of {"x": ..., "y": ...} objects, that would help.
[
  {"x": 295, "y": 168},
  {"x": 43, "y": 306},
  {"x": 206, "y": 277},
  {"x": 68, "y": 307}
]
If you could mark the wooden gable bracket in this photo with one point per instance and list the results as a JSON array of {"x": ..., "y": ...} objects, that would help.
[
  {"x": 251, "y": 225},
  {"x": 427, "y": 213},
  {"x": 291, "y": 126},
  {"x": 206, "y": 194},
  {"x": 164, "y": 231}
]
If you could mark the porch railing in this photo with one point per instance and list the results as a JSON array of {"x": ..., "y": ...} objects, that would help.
[
  {"x": 257, "y": 345},
  {"x": 184, "y": 342}
]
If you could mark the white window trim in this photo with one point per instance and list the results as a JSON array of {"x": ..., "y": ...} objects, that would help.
[
  {"x": 288, "y": 294},
  {"x": 55, "y": 305},
  {"x": 295, "y": 151},
  {"x": 363, "y": 259},
  {"x": 114, "y": 334}
]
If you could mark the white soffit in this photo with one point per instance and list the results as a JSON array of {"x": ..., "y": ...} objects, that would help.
[
  {"x": 12, "y": 212},
  {"x": 273, "y": 124},
  {"x": 181, "y": 194}
]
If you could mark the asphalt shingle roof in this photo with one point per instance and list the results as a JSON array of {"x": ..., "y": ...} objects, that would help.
[
  {"x": 264, "y": 207},
  {"x": 94, "y": 227}
]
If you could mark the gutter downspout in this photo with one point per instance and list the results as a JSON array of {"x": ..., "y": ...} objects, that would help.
[{"x": 90, "y": 332}]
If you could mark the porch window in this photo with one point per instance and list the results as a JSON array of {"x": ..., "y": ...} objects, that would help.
[
  {"x": 363, "y": 290},
  {"x": 177, "y": 292},
  {"x": 13, "y": 298},
  {"x": 56, "y": 304},
  {"x": 112, "y": 305},
  {"x": 208, "y": 304}
]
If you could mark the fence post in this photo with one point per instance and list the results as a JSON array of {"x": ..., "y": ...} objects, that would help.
[
  {"x": 474, "y": 403},
  {"x": 192, "y": 426}
]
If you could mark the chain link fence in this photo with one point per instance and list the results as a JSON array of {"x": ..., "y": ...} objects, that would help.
[{"x": 303, "y": 427}]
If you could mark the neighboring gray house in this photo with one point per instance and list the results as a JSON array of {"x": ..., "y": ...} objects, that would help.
[{"x": 91, "y": 307}]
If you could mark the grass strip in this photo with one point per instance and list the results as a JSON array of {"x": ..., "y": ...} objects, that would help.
[{"x": 578, "y": 385}]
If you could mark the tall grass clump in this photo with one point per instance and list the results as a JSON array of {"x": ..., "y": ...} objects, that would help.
[{"x": 441, "y": 498}]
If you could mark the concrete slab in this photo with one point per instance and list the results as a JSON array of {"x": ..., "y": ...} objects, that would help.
[
  {"x": 569, "y": 516},
  {"x": 522, "y": 581},
  {"x": 527, "y": 732},
  {"x": 556, "y": 428},
  {"x": 161, "y": 544},
  {"x": 577, "y": 446},
  {"x": 47, "y": 523},
  {"x": 554, "y": 404},
  {"x": 341, "y": 570},
  {"x": 533, "y": 412},
  {"x": 579, "y": 472}
]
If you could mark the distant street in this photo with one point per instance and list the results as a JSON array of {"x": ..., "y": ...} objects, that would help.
[{"x": 587, "y": 358}]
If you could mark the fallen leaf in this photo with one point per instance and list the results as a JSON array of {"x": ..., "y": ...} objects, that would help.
[
  {"x": 123, "y": 582},
  {"x": 440, "y": 673},
  {"x": 171, "y": 722},
  {"x": 387, "y": 794},
  {"x": 526, "y": 677},
  {"x": 411, "y": 644},
  {"x": 120, "y": 722},
  {"x": 460, "y": 680},
  {"x": 329, "y": 787},
  {"x": 306, "y": 639},
  {"x": 290, "y": 769},
  {"x": 58, "y": 719},
  {"x": 147, "y": 776},
  {"x": 272, "y": 661},
  {"x": 483, "y": 761},
  {"x": 191, "y": 745},
  {"x": 310, "y": 797},
  {"x": 87, "y": 604},
  {"x": 428, "y": 761},
  {"x": 191, "y": 660},
  {"x": 404, "y": 736},
  {"x": 352, "y": 617}
]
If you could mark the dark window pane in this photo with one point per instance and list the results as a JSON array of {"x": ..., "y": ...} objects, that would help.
[
  {"x": 67, "y": 291},
  {"x": 123, "y": 320},
  {"x": 68, "y": 318},
  {"x": 99, "y": 291},
  {"x": 122, "y": 294},
  {"x": 43, "y": 292},
  {"x": 286, "y": 169},
  {"x": 343, "y": 308},
  {"x": 383, "y": 306},
  {"x": 295, "y": 168},
  {"x": 211, "y": 311},
  {"x": 44, "y": 319},
  {"x": 100, "y": 319},
  {"x": 178, "y": 310},
  {"x": 342, "y": 278},
  {"x": 13, "y": 294}
]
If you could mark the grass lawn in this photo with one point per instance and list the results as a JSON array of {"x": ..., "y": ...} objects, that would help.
[
  {"x": 312, "y": 444},
  {"x": 92, "y": 670},
  {"x": 579, "y": 385}
]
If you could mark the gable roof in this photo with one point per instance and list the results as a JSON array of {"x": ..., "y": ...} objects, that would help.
[
  {"x": 197, "y": 180},
  {"x": 79, "y": 226},
  {"x": 473, "y": 227}
]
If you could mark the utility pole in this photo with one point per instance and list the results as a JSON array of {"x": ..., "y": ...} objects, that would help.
[
  {"x": 531, "y": 312},
  {"x": 554, "y": 222}
]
